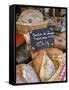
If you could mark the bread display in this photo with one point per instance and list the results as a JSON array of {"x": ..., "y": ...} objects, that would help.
[{"x": 46, "y": 63}]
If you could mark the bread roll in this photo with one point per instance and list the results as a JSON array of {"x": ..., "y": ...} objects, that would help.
[
  {"x": 53, "y": 53},
  {"x": 60, "y": 42},
  {"x": 63, "y": 35}
]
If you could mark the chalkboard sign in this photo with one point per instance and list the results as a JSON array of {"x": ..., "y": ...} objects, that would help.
[{"x": 42, "y": 38}]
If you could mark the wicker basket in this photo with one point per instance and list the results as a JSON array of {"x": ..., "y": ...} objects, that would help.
[{"x": 23, "y": 27}]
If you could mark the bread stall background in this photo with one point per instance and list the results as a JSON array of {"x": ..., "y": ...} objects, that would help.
[{"x": 46, "y": 64}]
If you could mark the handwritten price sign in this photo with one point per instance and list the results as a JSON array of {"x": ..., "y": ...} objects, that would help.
[{"x": 42, "y": 38}]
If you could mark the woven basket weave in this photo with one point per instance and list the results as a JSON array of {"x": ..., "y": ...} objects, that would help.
[{"x": 23, "y": 27}]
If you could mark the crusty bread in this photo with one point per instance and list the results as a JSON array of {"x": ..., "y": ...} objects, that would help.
[
  {"x": 63, "y": 35},
  {"x": 53, "y": 53},
  {"x": 47, "y": 69},
  {"x": 37, "y": 57},
  {"x": 60, "y": 42}
]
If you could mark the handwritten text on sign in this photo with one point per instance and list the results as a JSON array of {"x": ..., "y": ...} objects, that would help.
[{"x": 42, "y": 38}]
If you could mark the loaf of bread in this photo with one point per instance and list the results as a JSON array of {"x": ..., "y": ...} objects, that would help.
[
  {"x": 60, "y": 42},
  {"x": 25, "y": 74},
  {"x": 19, "y": 74},
  {"x": 31, "y": 16},
  {"x": 29, "y": 74},
  {"x": 43, "y": 64},
  {"x": 63, "y": 35},
  {"x": 37, "y": 59},
  {"x": 47, "y": 69},
  {"x": 53, "y": 53}
]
